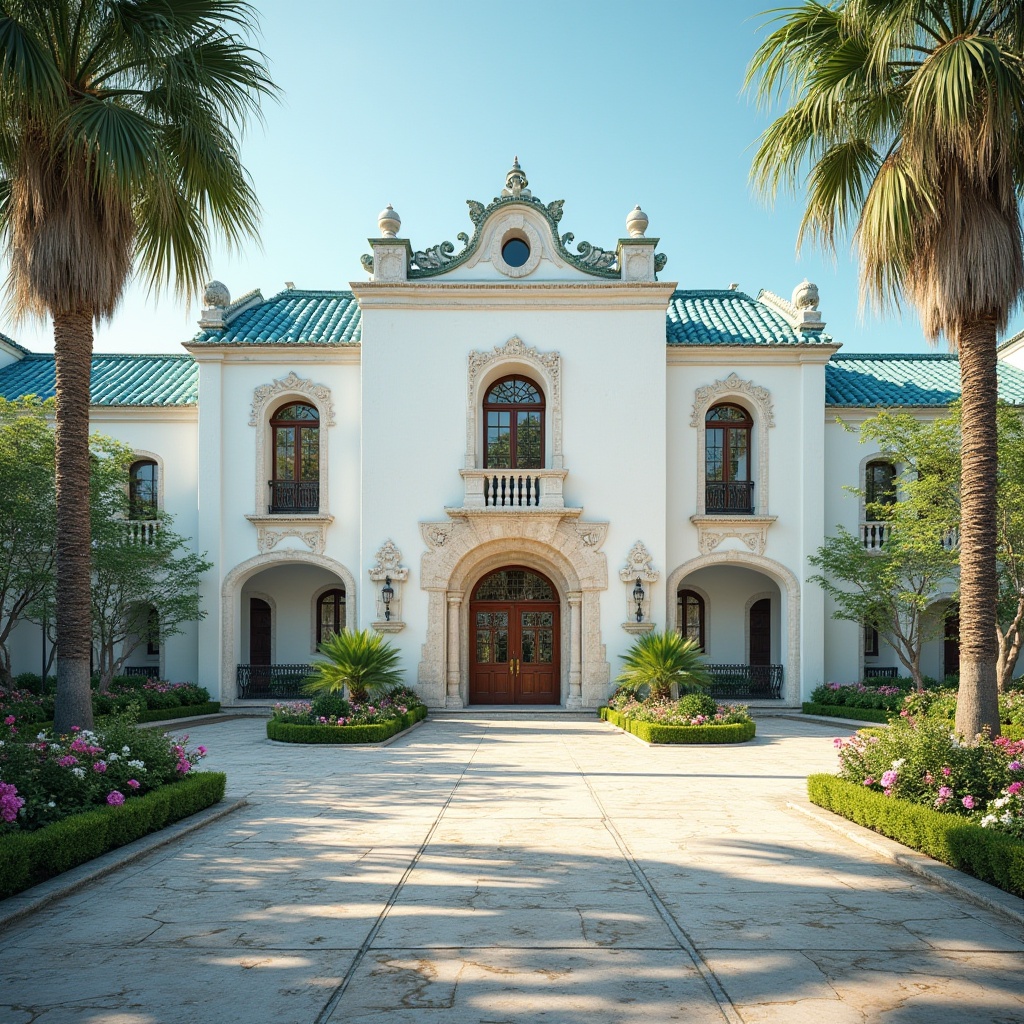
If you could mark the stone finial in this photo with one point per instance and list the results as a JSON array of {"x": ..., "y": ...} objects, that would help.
[
  {"x": 636, "y": 222},
  {"x": 516, "y": 182},
  {"x": 216, "y": 295},
  {"x": 805, "y": 295},
  {"x": 389, "y": 222}
]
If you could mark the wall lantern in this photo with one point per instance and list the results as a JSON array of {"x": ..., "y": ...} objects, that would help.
[
  {"x": 388, "y": 576},
  {"x": 638, "y": 598},
  {"x": 387, "y": 593}
]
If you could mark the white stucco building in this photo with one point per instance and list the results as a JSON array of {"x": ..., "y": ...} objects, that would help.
[{"x": 534, "y": 450}]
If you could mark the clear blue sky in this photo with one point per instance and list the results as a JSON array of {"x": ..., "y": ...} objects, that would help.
[{"x": 423, "y": 105}]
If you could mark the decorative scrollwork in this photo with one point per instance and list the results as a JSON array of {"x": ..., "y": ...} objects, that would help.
[
  {"x": 476, "y": 211},
  {"x": 434, "y": 257},
  {"x": 660, "y": 259},
  {"x": 555, "y": 209},
  {"x": 367, "y": 261},
  {"x": 592, "y": 256}
]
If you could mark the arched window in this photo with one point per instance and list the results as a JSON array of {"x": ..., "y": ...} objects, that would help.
[
  {"x": 690, "y": 615},
  {"x": 330, "y": 614},
  {"x": 143, "y": 491},
  {"x": 514, "y": 425},
  {"x": 729, "y": 489},
  {"x": 879, "y": 487},
  {"x": 296, "y": 483}
]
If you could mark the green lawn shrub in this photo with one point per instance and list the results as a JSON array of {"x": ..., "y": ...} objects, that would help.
[
  {"x": 287, "y": 732},
  {"x": 985, "y": 853},
  {"x": 843, "y": 711},
  {"x": 27, "y": 858},
  {"x": 652, "y": 732}
]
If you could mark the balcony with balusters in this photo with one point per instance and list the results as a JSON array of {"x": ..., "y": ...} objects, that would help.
[
  {"x": 514, "y": 490},
  {"x": 874, "y": 535}
]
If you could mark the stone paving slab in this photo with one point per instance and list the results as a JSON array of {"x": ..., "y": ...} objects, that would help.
[{"x": 517, "y": 870}]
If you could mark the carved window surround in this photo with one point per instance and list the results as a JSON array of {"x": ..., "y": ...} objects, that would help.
[
  {"x": 752, "y": 531},
  {"x": 311, "y": 530},
  {"x": 758, "y": 401},
  {"x": 486, "y": 367},
  {"x": 265, "y": 399}
]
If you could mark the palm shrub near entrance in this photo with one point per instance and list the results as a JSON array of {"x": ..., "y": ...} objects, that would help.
[
  {"x": 659, "y": 661},
  {"x": 363, "y": 662},
  {"x": 907, "y": 125},
  {"x": 117, "y": 151}
]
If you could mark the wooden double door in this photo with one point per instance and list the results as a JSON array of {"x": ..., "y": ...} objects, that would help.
[{"x": 514, "y": 639}]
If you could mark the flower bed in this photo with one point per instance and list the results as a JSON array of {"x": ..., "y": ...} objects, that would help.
[
  {"x": 65, "y": 788},
  {"x": 653, "y": 732},
  {"x": 841, "y": 711},
  {"x": 989, "y": 855},
  {"x": 332, "y": 719}
]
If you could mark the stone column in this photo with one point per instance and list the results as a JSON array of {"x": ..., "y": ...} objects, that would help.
[
  {"x": 574, "y": 701},
  {"x": 453, "y": 698}
]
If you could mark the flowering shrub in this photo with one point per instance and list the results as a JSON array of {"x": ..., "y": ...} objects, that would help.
[
  {"x": 45, "y": 778},
  {"x": 332, "y": 709},
  {"x": 124, "y": 691},
  {"x": 920, "y": 760},
  {"x": 860, "y": 695},
  {"x": 690, "y": 709}
]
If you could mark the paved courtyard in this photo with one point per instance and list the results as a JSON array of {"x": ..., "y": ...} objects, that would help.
[{"x": 498, "y": 871}]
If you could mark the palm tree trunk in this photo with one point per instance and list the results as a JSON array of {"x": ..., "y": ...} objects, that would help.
[
  {"x": 978, "y": 700},
  {"x": 72, "y": 333}
]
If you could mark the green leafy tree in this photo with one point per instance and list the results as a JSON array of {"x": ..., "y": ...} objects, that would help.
[
  {"x": 905, "y": 123},
  {"x": 27, "y": 516},
  {"x": 661, "y": 661},
  {"x": 928, "y": 454},
  {"x": 117, "y": 151},
  {"x": 361, "y": 661},
  {"x": 145, "y": 581}
]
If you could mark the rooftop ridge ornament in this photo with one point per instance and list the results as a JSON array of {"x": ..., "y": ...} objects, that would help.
[{"x": 516, "y": 182}]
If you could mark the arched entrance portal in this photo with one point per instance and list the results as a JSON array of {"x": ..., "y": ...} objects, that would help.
[{"x": 514, "y": 639}]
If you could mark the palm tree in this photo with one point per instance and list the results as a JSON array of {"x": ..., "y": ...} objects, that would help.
[
  {"x": 660, "y": 661},
  {"x": 906, "y": 123},
  {"x": 116, "y": 152},
  {"x": 362, "y": 660}
]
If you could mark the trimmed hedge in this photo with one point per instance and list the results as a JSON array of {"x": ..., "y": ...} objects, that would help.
[
  {"x": 653, "y": 732},
  {"x": 27, "y": 858},
  {"x": 843, "y": 711},
  {"x": 991, "y": 856},
  {"x": 211, "y": 707},
  {"x": 289, "y": 732}
]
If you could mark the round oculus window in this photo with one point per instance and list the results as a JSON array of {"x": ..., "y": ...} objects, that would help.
[{"x": 515, "y": 252}]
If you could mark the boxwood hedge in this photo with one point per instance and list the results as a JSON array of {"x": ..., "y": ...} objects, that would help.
[
  {"x": 211, "y": 707},
  {"x": 989, "y": 855},
  {"x": 27, "y": 858},
  {"x": 652, "y": 732},
  {"x": 289, "y": 732},
  {"x": 843, "y": 711}
]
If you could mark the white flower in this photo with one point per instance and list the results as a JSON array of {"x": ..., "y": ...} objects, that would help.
[
  {"x": 40, "y": 736},
  {"x": 138, "y": 765},
  {"x": 79, "y": 773},
  {"x": 1007, "y": 818},
  {"x": 51, "y": 804},
  {"x": 126, "y": 750},
  {"x": 112, "y": 757},
  {"x": 989, "y": 819},
  {"x": 899, "y": 764}
]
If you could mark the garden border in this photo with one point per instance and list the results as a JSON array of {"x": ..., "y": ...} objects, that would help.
[
  {"x": 654, "y": 733},
  {"x": 984, "y": 853},
  {"x": 28, "y": 858},
  {"x": 875, "y": 715},
  {"x": 290, "y": 732}
]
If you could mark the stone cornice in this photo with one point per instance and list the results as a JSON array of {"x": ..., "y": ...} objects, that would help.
[
  {"x": 271, "y": 355},
  {"x": 143, "y": 412},
  {"x": 716, "y": 355},
  {"x": 585, "y": 295}
]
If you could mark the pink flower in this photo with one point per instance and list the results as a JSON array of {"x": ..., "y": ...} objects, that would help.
[
  {"x": 947, "y": 771},
  {"x": 837, "y": 742},
  {"x": 76, "y": 728},
  {"x": 928, "y": 779},
  {"x": 134, "y": 783},
  {"x": 115, "y": 799},
  {"x": 1014, "y": 766},
  {"x": 945, "y": 792},
  {"x": 968, "y": 802},
  {"x": 889, "y": 778},
  {"x": 100, "y": 767},
  {"x": 67, "y": 761},
  {"x": 10, "y": 802},
  {"x": 201, "y": 751},
  {"x": 9, "y": 720},
  {"x": 1014, "y": 788},
  {"x": 869, "y": 781}
]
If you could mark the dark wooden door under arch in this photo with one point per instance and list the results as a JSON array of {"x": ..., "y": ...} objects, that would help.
[
  {"x": 259, "y": 632},
  {"x": 761, "y": 632},
  {"x": 514, "y": 639}
]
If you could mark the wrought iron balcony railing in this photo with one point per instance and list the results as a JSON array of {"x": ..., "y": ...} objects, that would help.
[
  {"x": 294, "y": 496},
  {"x": 257, "y": 682},
  {"x": 729, "y": 497},
  {"x": 750, "y": 682}
]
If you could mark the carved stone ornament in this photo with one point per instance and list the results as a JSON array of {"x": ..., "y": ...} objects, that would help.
[
  {"x": 292, "y": 384},
  {"x": 733, "y": 384},
  {"x": 753, "y": 534},
  {"x": 267, "y": 538},
  {"x": 592, "y": 534},
  {"x": 436, "y": 535},
  {"x": 638, "y": 563},
  {"x": 389, "y": 564}
]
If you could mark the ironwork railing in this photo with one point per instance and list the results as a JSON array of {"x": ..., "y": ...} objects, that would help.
[
  {"x": 279, "y": 681},
  {"x": 751, "y": 682},
  {"x": 294, "y": 496},
  {"x": 876, "y": 672},
  {"x": 729, "y": 497},
  {"x": 141, "y": 670}
]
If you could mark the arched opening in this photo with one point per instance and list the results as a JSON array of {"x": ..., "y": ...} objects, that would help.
[
  {"x": 295, "y": 483},
  {"x": 514, "y": 424},
  {"x": 143, "y": 489},
  {"x": 729, "y": 489},
  {"x": 330, "y": 614},
  {"x": 879, "y": 488},
  {"x": 514, "y": 639},
  {"x": 691, "y": 616}
]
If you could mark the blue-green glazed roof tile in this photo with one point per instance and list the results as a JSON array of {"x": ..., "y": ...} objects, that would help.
[
  {"x": 116, "y": 379},
  {"x": 926, "y": 379},
  {"x": 712, "y": 317},
  {"x": 293, "y": 317}
]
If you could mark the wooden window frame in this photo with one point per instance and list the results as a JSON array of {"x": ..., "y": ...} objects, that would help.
[
  {"x": 681, "y": 596},
  {"x": 298, "y": 426},
  {"x": 870, "y": 641},
  {"x": 143, "y": 510},
  {"x": 339, "y": 612},
  {"x": 512, "y": 408},
  {"x": 870, "y": 496}
]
